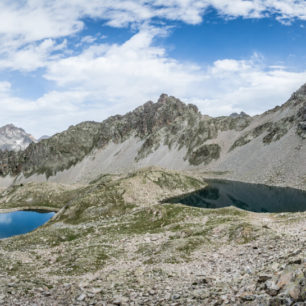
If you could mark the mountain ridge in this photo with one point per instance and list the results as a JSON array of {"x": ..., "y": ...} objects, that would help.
[{"x": 168, "y": 133}]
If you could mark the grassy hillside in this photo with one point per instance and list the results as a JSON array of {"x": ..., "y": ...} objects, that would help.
[{"x": 114, "y": 242}]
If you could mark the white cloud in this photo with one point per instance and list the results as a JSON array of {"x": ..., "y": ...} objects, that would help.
[
  {"x": 253, "y": 89},
  {"x": 107, "y": 79},
  {"x": 26, "y": 25},
  {"x": 133, "y": 71},
  {"x": 33, "y": 20},
  {"x": 32, "y": 56},
  {"x": 88, "y": 39}
]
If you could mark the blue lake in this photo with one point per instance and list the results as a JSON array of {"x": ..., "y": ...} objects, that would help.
[
  {"x": 21, "y": 222},
  {"x": 252, "y": 197}
]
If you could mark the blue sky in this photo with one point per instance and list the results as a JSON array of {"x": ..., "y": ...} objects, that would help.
[{"x": 63, "y": 62}]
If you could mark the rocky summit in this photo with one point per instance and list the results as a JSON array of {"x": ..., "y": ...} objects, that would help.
[
  {"x": 116, "y": 239},
  {"x": 13, "y": 138}
]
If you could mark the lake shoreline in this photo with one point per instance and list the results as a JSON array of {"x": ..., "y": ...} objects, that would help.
[{"x": 41, "y": 209}]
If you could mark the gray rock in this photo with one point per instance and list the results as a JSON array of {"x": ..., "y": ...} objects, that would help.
[
  {"x": 263, "y": 278},
  {"x": 302, "y": 125},
  {"x": 247, "y": 296},
  {"x": 271, "y": 288},
  {"x": 176, "y": 296},
  {"x": 81, "y": 297}
]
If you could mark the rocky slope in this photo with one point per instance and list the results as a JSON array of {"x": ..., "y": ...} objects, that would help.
[
  {"x": 13, "y": 138},
  {"x": 112, "y": 242},
  {"x": 268, "y": 148}
]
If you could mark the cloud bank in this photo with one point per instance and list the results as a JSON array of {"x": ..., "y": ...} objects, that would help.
[{"x": 103, "y": 79}]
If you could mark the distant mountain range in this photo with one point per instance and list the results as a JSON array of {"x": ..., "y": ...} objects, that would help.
[
  {"x": 43, "y": 137},
  {"x": 13, "y": 138},
  {"x": 268, "y": 148}
]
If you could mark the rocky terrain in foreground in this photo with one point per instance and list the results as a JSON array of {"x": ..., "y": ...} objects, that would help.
[{"x": 112, "y": 242}]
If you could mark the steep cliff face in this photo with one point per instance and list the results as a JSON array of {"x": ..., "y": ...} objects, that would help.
[
  {"x": 300, "y": 99},
  {"x": 171, "y": 134},
  {"x": 13, "y": 138}
]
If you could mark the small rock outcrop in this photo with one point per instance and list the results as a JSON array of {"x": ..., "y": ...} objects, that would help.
[{"x": 302, "y": 123}]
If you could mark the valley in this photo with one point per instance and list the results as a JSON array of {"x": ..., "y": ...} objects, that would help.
[
  {"x": 153, "y": 153},
  {"x": 113, "y": 242},
  {"x": 122, "y": 235}
]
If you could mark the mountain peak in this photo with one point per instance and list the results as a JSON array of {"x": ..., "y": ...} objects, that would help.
[
  {"x": 301, "y": 90},
  {"x": 163, "y": 98},
  {"x": 299, "y": 95},
  {"x": 13, "y": 138},
  {"x": 9, "y": 126},
  {"x": 236, "y": 115}
]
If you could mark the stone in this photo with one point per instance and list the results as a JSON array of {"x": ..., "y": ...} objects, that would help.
[
  {"x": 200, "y": 281},
  {"x": 275, "y": 266},
  {"x": 294, "y": 292},
  {"x": 285, "y": 279},
  {"x": 271, "y": 288},
  {"x": 247, "y": 296},
  {"x": 302, "y": 125},
  {"x": 248, "y": 270},
  {"x": 279, "y": 301},
  {"x": 295, "y": 261},
  {"x": 96, "y": 290},
  {"x": 120, "y": 300},
  {"x": 263, "y": 278},
  {"x": 81, "y": 297}
]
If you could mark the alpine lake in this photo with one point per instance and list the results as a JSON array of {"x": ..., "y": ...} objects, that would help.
[
  {"x": 217, "y": 194},
  {"x": 251, "y": 197},
  {"x": 21, "y": 222}
]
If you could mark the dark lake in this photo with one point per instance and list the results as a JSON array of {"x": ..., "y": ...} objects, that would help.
[
  {"x": 252, "y": 197},
  {"x": 21, "y": 222}
]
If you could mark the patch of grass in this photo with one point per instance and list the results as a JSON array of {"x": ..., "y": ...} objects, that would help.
[
  {"x": 80, "y": 260},
  {"x": 176, "y": 181},
  {"x": 152, "y": 220},
  {"x": 38, "y": 195},
  {"x": 99, "y": 201},
  {"x": 242, "y": 233},
  {"x": 289, "y": 218},
  {"x": 190, "y": 244}
]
